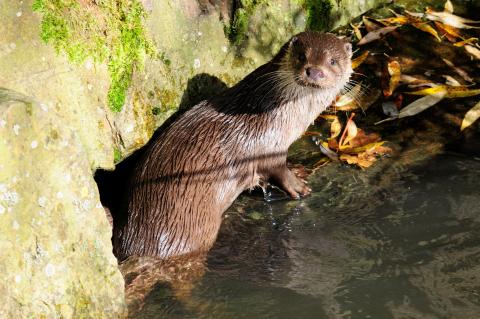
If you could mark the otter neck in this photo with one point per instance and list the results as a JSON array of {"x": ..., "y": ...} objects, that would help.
[{"x": 269, "y": 88}]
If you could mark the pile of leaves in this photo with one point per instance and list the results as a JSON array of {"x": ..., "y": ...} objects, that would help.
[{"x": 393, "y": 86}]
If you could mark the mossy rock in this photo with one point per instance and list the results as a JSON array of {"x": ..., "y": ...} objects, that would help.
[{"x": 57, "y": 256}]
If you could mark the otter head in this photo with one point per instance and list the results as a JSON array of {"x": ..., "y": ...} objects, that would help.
[{"x": 319, "y": 60}]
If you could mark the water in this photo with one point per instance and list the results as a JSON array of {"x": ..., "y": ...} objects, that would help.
[{"x": 384, "y": 243}]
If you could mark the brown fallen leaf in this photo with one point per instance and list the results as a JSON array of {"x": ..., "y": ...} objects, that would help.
[
  {"x": 450, "y": 32},
  {"x": 353, "y": 159},
  {"x": 366, "y": 158},
  {"x": 370, "y": 25},
  {"x": 360, "y": 142},
  {"x": 471, "y": 116},
  {"x": 375, "y": 35},
  {"x": 350, "y": 130},
  {"x": 359, "y": 59}
]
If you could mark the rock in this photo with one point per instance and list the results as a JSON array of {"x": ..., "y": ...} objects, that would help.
[{"x": 57, "y": 256}]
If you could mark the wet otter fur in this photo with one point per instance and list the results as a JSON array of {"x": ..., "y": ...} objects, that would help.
[{"x": 193, "y": 171}]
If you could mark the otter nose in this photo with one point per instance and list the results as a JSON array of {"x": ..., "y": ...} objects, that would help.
[{"x": 315, "y": 74}]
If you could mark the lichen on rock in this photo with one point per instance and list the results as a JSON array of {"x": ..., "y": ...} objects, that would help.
[{"x": 57, "y": 259}]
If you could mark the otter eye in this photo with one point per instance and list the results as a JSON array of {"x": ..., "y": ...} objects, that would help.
[
  {"x": 333, "y": 62},
  {"x": 302, "y": 58}
]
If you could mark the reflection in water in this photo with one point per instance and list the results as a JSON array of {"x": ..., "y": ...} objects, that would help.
[{"x": 359, "y": 247}]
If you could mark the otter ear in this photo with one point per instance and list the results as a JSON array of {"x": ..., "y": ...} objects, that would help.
[
  {"x": 348, "y": 47},
  {"x": 293, "y": 40}
]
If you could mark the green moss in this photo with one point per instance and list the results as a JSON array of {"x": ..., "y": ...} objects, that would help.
[
  {"x": 117, "y": 155},
  {"x": 237, "y": 30},
  {"x": 318, "y": 13},
  {"x": 110, "y": 31}
]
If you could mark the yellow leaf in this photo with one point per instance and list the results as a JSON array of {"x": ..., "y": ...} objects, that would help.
[
  {"x": 425, "y": 27},
  {"x": 395, "y": 20},
  {"x": 335, "y": 128},
  {"x": 394, "y": 70},
  {"x": 364, "y": 148},
  {"x": 351, "y": 159},
  {"x": 450, "y": 91},
  {"x": 359, "y": 59},
  {"x": 467, "y": 41},
  {"x": 356, "y": 30},
  {"x": 471, "y": 116}
]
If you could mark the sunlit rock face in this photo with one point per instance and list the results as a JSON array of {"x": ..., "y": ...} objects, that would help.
[{"x": 56, "y": 251}]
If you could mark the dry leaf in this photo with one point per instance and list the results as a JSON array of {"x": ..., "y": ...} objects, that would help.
[
  {"x": 459, "y": 71},
  {"x": 364, "y": 148},
  {"x": 450, "y": 32},
  {"x": 356, "y": 30},
  {"x": 421, "y": 104},
  {"x": 349, "y": 132},
  {"x": 375, "y": 35},
  {"x": 471, "y": 116},
  {"x": 450, "y": 91},
  {"x": 394, "y": 71},
  {"x": 450, "y": 80},
  {"x": 352, "y": 131},
  {"x": 399, "y": 19},
  {"x": 408, "y": 79},
  {"x": 448, "y": 6},
  {"x": 464, "y": 42},
  {"x": 369, "y": 25},
  {"x": 335, "y": 128},
  {"x": 359, "y": 59},
  {"x": 446, "y": 18},
  {"x": 473, "y": 51},
  {"x": 328, "y": 152},
  {"x": 361, "y": 142},
  {"x": 425, "y": 27},
  {"x": 351, "y": 159}
]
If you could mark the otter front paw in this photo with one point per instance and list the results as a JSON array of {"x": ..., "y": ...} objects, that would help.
[{"x": 289, "y": 183}]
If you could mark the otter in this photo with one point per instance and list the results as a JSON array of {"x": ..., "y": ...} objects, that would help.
[{"x": 192, "y": 172}]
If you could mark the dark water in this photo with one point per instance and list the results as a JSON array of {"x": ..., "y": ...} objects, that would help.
[{"x": 384, "y": 243}]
